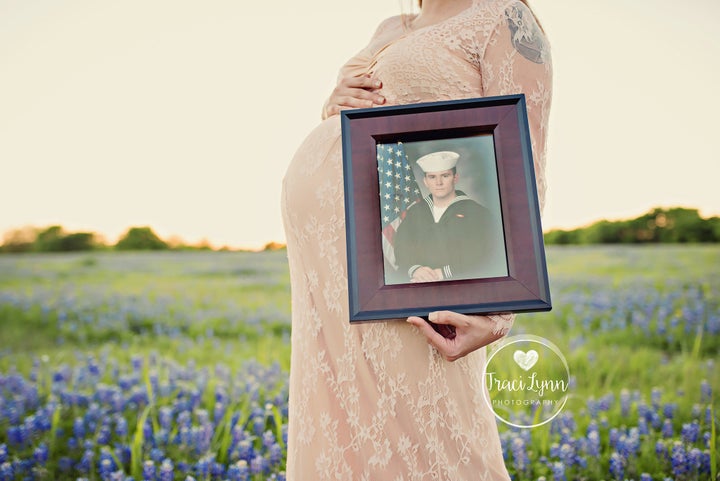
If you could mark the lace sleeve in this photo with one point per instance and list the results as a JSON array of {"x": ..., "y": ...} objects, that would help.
[{"x": 517, "y": 59}]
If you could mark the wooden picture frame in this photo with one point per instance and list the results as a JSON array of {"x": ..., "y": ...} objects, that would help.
[{"x": 491, "y": 138}]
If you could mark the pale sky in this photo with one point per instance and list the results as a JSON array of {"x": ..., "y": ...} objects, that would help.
[{"x": 183, "y": 115}]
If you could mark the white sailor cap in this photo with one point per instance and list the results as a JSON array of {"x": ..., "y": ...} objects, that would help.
[{"x": 438, "y": 161}]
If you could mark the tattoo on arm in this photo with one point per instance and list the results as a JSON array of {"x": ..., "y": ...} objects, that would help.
[{"x": 526, "y": 36}]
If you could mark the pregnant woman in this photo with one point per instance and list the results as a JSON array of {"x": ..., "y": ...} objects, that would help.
[{"x": 395, "y": 400}]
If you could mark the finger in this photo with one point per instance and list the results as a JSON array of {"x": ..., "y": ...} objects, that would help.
[
  {"x": 433, "y": 337},
  {"x": 355, "y": 102},
  {"x": 364, "y": 82},
  {"x": 449, "y": 317},
  {"x": 424, "y": 277},
  {"x": 360, "y": 98},
  {"x": 367, "y": 95},
  {"x": 447, "y": 348}
]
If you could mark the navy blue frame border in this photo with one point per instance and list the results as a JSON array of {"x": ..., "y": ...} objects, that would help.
[{"x": 524, "y": 289}]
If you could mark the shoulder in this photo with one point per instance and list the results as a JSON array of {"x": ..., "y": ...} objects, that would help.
[
  {"x": 515, "y": 21},
  {"x": 488, "y": 18},
  {"x": 417, "y": 210},
  {"x": 418, "y": 205},
  {"x": 389, "y": 24},
  {"x": 469, "y": 206},
  {"x": 526, "y": 35}
]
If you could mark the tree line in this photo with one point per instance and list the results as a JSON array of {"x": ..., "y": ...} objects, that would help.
[
  {"x": 56, "y": 239},
  {"x": 659, "y": 225},
  {"x": 672, "y": 225}
]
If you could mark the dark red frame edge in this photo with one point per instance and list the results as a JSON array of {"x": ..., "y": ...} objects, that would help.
[{"x": 524, "y": 289}]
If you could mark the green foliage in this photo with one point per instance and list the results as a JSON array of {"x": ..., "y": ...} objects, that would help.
[
  {"x": 54, "y": 239},
  {"x": 50, "y": 239},
  {"x": 673, "y": 225},
  {"x": 78, "y": 241},
  {"x": 141, "y": 238},
  {"x": 19, "y": 240}
]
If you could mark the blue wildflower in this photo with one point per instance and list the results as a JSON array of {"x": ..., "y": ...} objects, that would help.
[
  {"x": 258, "y": 464},
  {"x": 86, "y": 462},
  {"x": 123, "y": 453},
  {"x": 79, "y": 428},
  {"x": 694, "y": 460},
  {"x": 157, "y": 455},
  {"x": 678, "y": 459},
  {"x": 667, "y": 429},
  {"x": 705, "y": 462},
  {"x": 617, "y": 466},
  {"x": 520, "y": 458},
  {"x": 593, "y": 444},
  {"x": 105, "y": 469},
  {"x": 669, "y": 410},
  {"x": 137, "y": 363},
  {"x": 655, "y": 397},
  {"x": 567, "y": 454},
  {"x": 104, "y": 435},
  {"x": 268, "y": 439},
  {"x": 258, "y": 424},
  {"x": 65, "y": 464},
  {"x": 660, "y": 449},
  {"x": 239, "y": 471},
  {"x": 41, "y": 454},
  {"x": 690, "y": 432},
  {"x": 148, "y": 470},
  {"x": 165, "y": 417},
  {"x": 6, "y": 472},
  {"x": 276, "y": 454},
  {"x": 202, "y": 467},
  {"x": 17, "y": 435},
  {"x": 166, "y": 471},
  {"x": 558, "y": 471},
  {"x": 614, "y": 436},
  {"x": 624, "y": 403},
  {"x": 121, "y": 427},
  {"x": 245, "y": 450}
]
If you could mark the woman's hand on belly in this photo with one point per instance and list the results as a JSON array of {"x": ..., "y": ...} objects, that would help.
[{"x": 353, "y": 93}]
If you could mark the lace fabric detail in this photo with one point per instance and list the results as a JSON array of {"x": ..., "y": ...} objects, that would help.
[
  {"x": 375, "y": 401},
  {"x": 502, "y": 323}
]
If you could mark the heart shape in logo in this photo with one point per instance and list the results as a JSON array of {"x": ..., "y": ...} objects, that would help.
[{"x": 526, "y": 360}]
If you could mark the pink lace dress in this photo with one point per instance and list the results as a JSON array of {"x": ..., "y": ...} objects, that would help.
[{"x": 375, "y": 401}]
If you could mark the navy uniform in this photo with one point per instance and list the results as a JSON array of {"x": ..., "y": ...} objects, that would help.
[{"x": 463, "y": 241}]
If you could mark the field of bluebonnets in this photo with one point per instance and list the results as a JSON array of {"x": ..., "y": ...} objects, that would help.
[{"x": 173, "y": 366}]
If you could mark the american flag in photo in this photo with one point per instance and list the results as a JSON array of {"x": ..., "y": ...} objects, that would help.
[{"x": 398, "y": 191}]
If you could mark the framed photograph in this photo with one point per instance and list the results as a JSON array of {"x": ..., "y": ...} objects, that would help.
[{"x": 441, "y": 210}]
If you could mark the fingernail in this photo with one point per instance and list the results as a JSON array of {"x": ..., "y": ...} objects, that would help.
[
  {"x": 432, "y": 316},
  {"x": 378, "y": 83},
  {"x": 381, "y": 100}
]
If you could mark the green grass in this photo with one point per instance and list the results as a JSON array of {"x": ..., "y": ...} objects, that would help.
[
  {"x": 210, "y": 306},
  {"x": 619, "y": 316}
]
